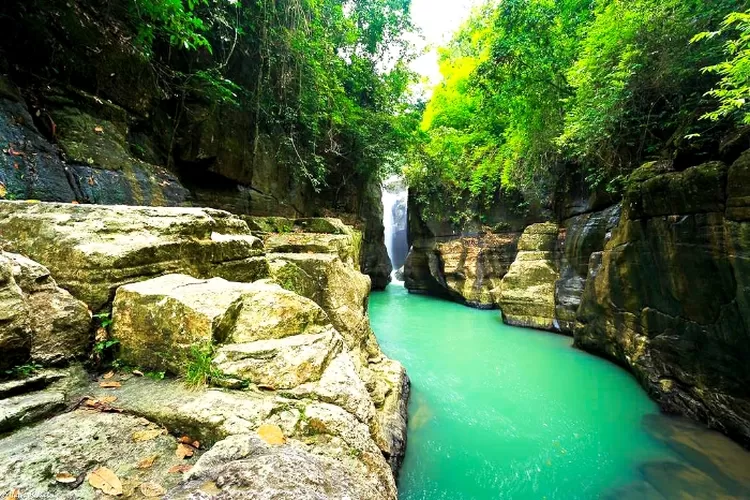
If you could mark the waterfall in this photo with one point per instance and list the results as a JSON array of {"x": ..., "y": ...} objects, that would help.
[{"x": 395, "y": 221}]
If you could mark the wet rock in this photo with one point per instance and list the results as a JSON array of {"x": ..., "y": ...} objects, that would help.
[
  {"x": 667, "y": 296},
  {"x": 39, "y": 322},
  {"x": 92, "y": 250},
  {"x": 584, "y": 235},
  {"x": 527, "y": 293}
]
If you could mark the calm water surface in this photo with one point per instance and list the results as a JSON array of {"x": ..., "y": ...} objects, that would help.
[{"x": 504, "y": 412}]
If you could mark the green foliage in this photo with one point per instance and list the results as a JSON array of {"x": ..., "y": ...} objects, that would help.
[
  {"x": 105, "y": 346},
  {"x": 104, "y": 319},
  {"x": 23, "y": 371},
  {"x": 174, "y": 20},
  {"x": 534, "y": 88},
  {"x": 327, "y": 79},
  {"x": 733, "y": 91},
  {"x": 200, "y": 372}
]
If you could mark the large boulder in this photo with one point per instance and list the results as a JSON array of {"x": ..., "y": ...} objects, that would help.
[
  {"x": 280, "y": 363},
  {"x": 161, "y": 322},
  {"x": 527, "y": 292},
  {"x": 92, "y": 250},
  {"x": 39, "y": 322}
]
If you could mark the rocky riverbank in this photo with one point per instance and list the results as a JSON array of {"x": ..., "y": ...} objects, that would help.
[{"x": 292, "y": 393}]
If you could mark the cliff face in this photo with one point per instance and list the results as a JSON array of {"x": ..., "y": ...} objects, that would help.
[
  {"x": 668, "y": 296},
  {"x": 83, "y": 119},
  {"x": 464, "y": 265},
  {"x": 659, "y": 283}
]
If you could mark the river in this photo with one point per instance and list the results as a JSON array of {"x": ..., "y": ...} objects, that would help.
[{"x": 504, "y": 412}]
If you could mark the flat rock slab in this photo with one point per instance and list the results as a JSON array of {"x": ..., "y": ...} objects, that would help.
[
  {"x": 79, "y": 442},
  {"x": 29, "y": 408},
  {"x": 245, "y": 466},
  {"x": 280, "y": 363},
  {"x": 211, "y": 415},
  {"x": 91, "y": 249}
]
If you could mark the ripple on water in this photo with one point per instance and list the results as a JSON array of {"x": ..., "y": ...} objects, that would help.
[{"x": 502, "y": 412}]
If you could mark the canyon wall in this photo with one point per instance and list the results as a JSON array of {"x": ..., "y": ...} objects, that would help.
[
  {"x": 657, "y": 282},
  {"x": 83, "y": 120}
]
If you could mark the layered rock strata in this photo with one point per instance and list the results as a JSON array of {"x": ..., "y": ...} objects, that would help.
[{"x": 280, "y": 332}]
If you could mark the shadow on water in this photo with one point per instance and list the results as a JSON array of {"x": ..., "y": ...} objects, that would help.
[{"x": 707, "y": 464}]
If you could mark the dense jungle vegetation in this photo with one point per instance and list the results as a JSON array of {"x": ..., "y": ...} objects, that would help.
[
  {"x": 535, "y": 91},
  {"x": 326, "y": 78}
]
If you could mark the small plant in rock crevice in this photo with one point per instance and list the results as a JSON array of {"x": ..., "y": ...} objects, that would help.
[{"x": 200, "y": 370}]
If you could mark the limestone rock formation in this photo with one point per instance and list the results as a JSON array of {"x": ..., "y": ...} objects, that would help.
[
  {"x": 91, "y": 250},
  {"x": 39, "y": 322},
  {"x": 584, "y": 235},
  {"x": 668, "y": 296},
  {"x": 293, "y": 353},
  {"x": 527, "y": 293},
  {"x": 463, "y": 264}
]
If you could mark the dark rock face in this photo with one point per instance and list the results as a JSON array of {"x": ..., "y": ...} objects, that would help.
[
  {"x": 668, "y": 296},
  {"x": 83, "y": 118},
  {"x": 583, "y": 235}
]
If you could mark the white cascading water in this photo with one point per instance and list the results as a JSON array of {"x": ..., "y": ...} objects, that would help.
[{"x": 394, "y": 220}]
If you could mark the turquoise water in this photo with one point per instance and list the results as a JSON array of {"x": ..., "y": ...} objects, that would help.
[{"x": 504, "y": 412}]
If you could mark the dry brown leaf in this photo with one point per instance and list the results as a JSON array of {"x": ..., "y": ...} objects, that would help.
[
  {"x": 110, "y": 385},
  {"x": 101, "y": 335},
  {"x": 108, "y": 375},
  {"x": 147, "y": 435},
  {"x": 271, "y": 434},
  {"x": 65, "y": 478},
  {"x": 196, "y": 444},
  {"x": 98, "y": 129},
  {"x": 108, "y": 399},
  {"x": 3, "y": 190},
  {"x": 184, "y": 451},
  {"x": 179, "y": 468},
  {"x": 147, "y": 462},
  {"x": 13, "y": 495},
  {"x": 138, "y": 373},
  {"x": 151, "y": 490},
  {"x": 106, "y": 480}
]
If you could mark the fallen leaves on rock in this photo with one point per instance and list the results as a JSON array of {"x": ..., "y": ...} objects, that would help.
[
  {"x": 65, "y": 478},
  {"x": 108, "y": 375},
  {"x": 138, "y": 373},
  {"x": 184, "y": 451},
  {"x": 147, "y": 435},
  {"x": 271, "y": 434},
  {"x": 106, "y": 480},
  {"x": 13, "y": 495},
  {"x": 151, "y": 490},
  {"x": 102, "y": 404},
  {"x": 147, "y": 462},
  {"x": 188, "y": 440},
  {"x": 179, "y": 468},
  {"x": 110, "y": 384}
]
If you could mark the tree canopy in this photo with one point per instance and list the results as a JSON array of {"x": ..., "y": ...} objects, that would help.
[{"x": 535, "y": 89}]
